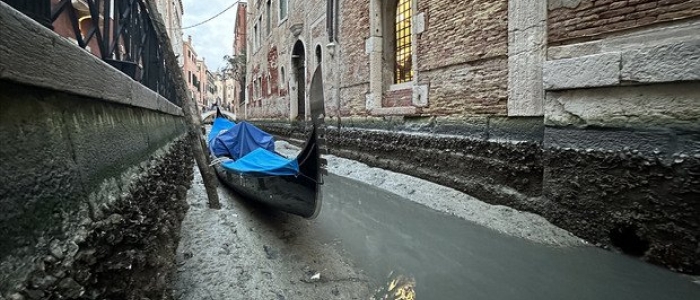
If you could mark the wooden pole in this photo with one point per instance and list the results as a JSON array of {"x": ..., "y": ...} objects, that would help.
[{"x": 192, "y": 118}]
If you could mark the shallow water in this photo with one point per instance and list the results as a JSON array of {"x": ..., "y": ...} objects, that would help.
[{"x": 443, "y": 257}]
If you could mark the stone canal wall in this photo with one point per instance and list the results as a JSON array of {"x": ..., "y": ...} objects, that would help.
[
  {"x": 93, "y": 173},
  {"x": 92, "y": 196},
  {"x": 635, "y": 192}
]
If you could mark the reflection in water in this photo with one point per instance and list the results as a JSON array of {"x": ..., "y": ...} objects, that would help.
[{"x": 399, "y": 287}]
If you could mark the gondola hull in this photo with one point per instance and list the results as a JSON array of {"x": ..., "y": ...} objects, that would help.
[{"x": 299, "y": 195}]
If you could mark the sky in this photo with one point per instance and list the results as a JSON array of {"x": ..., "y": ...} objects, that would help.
[{"x": 214, "y": 39}]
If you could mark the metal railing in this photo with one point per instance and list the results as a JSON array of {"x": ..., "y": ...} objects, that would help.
[{"x": 120, "y": 32}]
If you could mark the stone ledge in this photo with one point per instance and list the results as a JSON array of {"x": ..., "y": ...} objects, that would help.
[
  {"x": 662, "y": 63},
  {"x": 394, "y": 111},
  {"x": 582, "y": 72},
  {"x": 26, "y": 46}
]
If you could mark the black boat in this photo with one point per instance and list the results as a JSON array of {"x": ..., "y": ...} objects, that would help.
[{"x": 298, "y": 194}]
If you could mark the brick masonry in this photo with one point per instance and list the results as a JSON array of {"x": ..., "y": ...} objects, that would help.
[
  {"x": 476, "y": 88},
  {"x": 594, "y": 19},
  {"x": 458, "y": 32},
  {"x": 354, "y": 29},
  {"x": 397, "y": 98},
  {"x": 462, "y": 56}
]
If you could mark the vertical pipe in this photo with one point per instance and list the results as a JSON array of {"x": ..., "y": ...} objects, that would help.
[{"x": 107, "y": 9}]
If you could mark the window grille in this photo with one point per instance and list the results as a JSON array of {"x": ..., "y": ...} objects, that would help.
[{"x": 403, "y": 71}]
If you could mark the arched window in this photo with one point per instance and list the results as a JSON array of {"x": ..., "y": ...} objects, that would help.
[
  {"x": 318, "y": 54},
  {"x": 403, "y": 71},
  {"x": 283, "y": 79}
]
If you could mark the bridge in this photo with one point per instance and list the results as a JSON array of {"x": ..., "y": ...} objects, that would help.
[{"x": 208, "y": 117}]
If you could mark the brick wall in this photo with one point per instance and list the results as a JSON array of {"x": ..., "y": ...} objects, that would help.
[
  {"x": 462, "y": 56},
  {"x": 462, "y": 31},
  {"x": 352, "y": 100},
  {"x": 275, "y": 50},
  {"x": 354, "y": 29},
  {"x": 397, "y": 98},
  {"x": 594, "y": 18},
  {"x": 476, "y": 88},
  {"x": 273, "y": 72}
]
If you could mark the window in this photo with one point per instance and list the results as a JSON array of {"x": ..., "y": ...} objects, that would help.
[
  {"x": 283, "y": 81},
  {"x": 283, "y": 9},
  {"x": 256, "y": 89},
  {"x": 332, "y": 19},
  {"x": 255, "y": 36},
  {"x": 259, "y": 31},
  {"x": 403, "y": 71},
  {"x": 269, "y": 85},
  {"x": 268, "y": 18}
]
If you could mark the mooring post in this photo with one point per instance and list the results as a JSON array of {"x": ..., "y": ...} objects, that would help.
[{"x": 192, "y": 118}]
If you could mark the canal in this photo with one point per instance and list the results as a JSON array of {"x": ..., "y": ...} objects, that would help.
[{"x": 398, "y": 242}]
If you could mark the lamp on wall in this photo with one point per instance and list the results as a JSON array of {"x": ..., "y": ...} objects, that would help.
[{"x": 331, "y": 48}]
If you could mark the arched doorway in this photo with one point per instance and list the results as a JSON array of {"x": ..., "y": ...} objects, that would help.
[{"x": 299, "y": 69}]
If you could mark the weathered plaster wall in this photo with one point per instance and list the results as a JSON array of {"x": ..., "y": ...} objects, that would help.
[
  {"x": 92, "y": 195},
  {"x": 271, "y": 62}
]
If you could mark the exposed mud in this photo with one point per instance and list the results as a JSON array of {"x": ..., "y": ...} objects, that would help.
[
  {"x": 503, "y": 219},
  {"x": 121, "y": 249},
  {"x": 247, "y": 251},
  {"x": 638, "y": 203},
  {"x": 643, "y": 206}
]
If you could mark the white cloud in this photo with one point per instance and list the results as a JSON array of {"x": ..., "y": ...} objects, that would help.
[{"x": 213, "y": 39}]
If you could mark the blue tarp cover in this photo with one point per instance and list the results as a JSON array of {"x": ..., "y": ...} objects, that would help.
[
  {"x": 219, "y": 125},
  {"x": 239, "y": 140},
  {"x": 251, "y": 149},
  {"x": 262, "y": 161}
]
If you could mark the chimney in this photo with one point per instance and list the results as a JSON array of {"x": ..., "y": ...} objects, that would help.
[{"x": 189, "y": 39}]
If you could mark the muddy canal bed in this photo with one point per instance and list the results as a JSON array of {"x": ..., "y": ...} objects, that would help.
[{"x": 382, "y": 235}]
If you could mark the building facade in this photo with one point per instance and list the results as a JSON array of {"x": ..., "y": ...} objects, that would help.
[
  {"x": 205, "y": 99},
  {"x": 171, "y": 11},
  {"x": 220, "y": 89},
  {"x": 580, "y": 109},
  {"x": 225, "y": 91},
  {"x": 192, "y": 72},
  {"x": 211, "y": 89},
  {"x": 236, "y": 88}
]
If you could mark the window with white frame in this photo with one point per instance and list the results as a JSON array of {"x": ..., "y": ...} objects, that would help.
[
  {"x": 283, "y": 80},
  {"x": 268, "y": 17},
  {"x": 256, "y": 36},
  {"x": 283, "y": 9},
  {"x": 258, "y": 33}
]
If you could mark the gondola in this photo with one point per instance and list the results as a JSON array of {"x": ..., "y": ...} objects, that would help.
[{"x": 267, "y": 176}]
